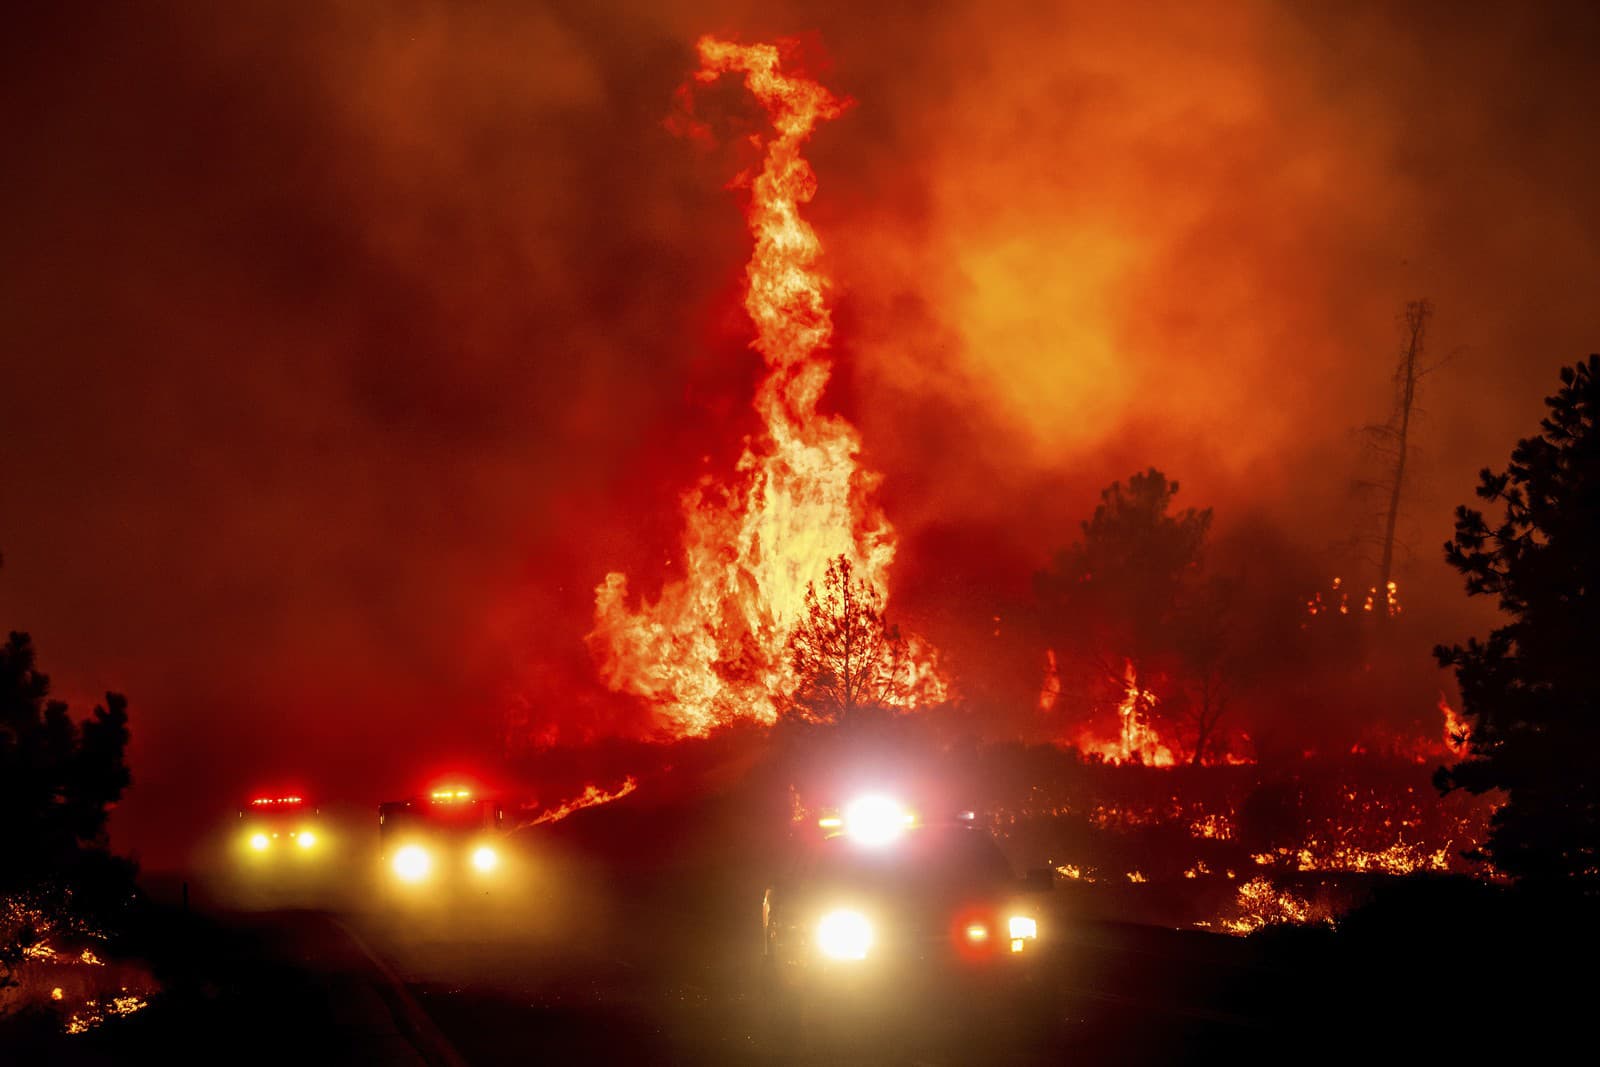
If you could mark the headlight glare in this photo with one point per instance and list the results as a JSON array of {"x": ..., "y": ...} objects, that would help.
[
  {"x": 876, "y": 820},
  {"x": 259, "y": 842},
  {"x": 412, "y": 863},
  {"x": 1023, "y": 926},
  {"x": 485, "y": 858},
  {"x": 844, "y": 935}
]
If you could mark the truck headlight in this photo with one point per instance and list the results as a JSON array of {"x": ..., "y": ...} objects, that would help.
[
  {"x": 876, "y": 820},
  {"x": 1022, "y": 926},
  {"x": 305, "y": 838},
  {"x": 485, "y": 858},
  {"x": 412, "y": 863},
  {"x": 259, "y": 842},
  {"x": 844, "y": 935}
]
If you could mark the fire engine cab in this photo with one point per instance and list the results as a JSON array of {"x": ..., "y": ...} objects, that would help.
[
  {"x": 449, "y": 837},
  {"x": 881, "y": 897},
  {"x": 278, "y": 830}
]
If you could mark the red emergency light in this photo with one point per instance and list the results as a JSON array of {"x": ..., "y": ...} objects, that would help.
[{"x": 269, "y": 802}]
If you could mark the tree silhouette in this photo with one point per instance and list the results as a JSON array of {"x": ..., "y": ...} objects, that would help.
[
  {"x": 847, "y": 657},
  {"x": 1116, "y": 595},
  {"x": 1531, "y": 692},
  {"x": 1208, "y": 647},
  {"x": 58, "y": 778},
  {"x": 1390, "y": 443}
]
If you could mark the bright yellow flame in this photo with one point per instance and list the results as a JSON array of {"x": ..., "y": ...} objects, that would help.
[
  {"x": 485, "y": 858},
  {"x": 258, "y": 842},
  {"x": 977, "y": 932},
  {"x": 1016, "y": 944},
  {"x": 844, "y": 935},
  {"x": 1021, "y": 926},
  {"x": 412, "y": 863},
  {"x": 305, "y": 839},
  {"x": 802, "y": 498},
  {"x": 56, "y": 994}
]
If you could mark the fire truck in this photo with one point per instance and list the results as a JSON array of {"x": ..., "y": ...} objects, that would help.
[
  {"x": 879, "y": 899},
  {"x": 449, "y": 838},
  {"x": 277, "y": 831}
]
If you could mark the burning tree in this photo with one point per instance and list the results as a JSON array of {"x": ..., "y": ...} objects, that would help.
[
  {"x": 847, "y": 657},
  {"x": 712, "y": 648},
  {"x": 1530, "y": 692},
  {"x": 1113, "y": 603}
]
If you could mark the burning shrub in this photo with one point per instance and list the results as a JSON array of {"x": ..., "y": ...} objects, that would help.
[{"x": 1261, "y": 903}]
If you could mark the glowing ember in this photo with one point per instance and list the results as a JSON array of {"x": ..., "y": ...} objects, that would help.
[
  {"x": 713, "y": 648},
  {"x": 1400, "y": 857},
  {"x": 93, "y": 1012},
  {"x": 1386, "y": 603},
  {"x": 49, "y": 939},
  {"x": 1212, "y": 825}
]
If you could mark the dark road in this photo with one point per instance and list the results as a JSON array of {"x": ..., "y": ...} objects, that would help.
[{"x": 686, "y": 989}]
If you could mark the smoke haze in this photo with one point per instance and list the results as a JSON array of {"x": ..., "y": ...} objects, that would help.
[{"x": 346, "y": 347}]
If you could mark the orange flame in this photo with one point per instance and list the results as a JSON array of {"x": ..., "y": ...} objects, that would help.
[
  {"x": 1137, "y": 739},
  {"x": 1339, "y": 598},
  {"x": 1457, "y": 731},
  {"x": 591, "y": 796},
  {"x": 1050, "y": 688},
  {"x": 713, "y": 648}
]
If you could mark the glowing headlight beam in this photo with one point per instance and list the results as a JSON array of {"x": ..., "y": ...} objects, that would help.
[
  {"x": 259, "y": 842},
  {"x": 485, "y": 859},
  {"x": 412, "y": 863},
  {"x": 1022, "y": 926},
  {"x": 305, "y": 838},
  {"x": 876, "y": 820},
  {"x": 844, "y": 935}
]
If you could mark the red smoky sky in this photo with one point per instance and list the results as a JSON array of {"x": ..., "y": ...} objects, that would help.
[{"x": 347, "y": 346}]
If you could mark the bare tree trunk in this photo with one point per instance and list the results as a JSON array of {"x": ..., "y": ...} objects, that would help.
[
  {"x": 1202, "y": 725},
  {"x": 1208, "y": 718},
  {"x": 1416, "y": 324},
  {"x": 849, "y": 705}
]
